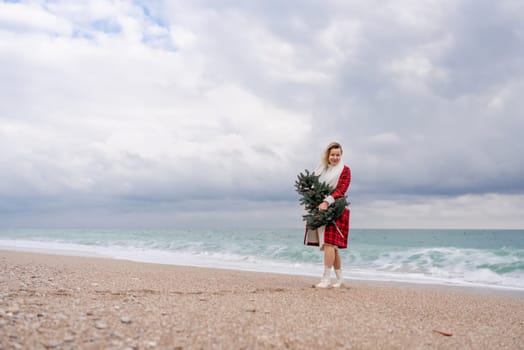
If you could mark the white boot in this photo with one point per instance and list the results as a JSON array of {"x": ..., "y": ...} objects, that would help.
[
  {"x": 339, "y": 280},
  {"x": 325, "y": 281}
]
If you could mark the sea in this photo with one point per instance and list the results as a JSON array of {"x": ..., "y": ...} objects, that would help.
[{"x": 477, "y": 258}]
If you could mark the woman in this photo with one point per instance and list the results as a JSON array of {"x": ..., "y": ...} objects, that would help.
[{"x": 330, "y": 238}]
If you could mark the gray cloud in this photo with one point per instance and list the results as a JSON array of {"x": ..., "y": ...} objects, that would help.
[{"x": 157, "y": 107}]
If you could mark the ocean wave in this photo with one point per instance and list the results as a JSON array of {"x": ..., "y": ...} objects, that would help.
[
  {"x": 502, "y": 268},
  {"x": 446, "y": 257}
]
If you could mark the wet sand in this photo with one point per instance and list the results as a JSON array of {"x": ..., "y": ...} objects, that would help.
[{"x": 67, "y": 302}]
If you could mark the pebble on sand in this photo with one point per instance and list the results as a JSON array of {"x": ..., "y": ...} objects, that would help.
[{"x": 101, "y": 325}]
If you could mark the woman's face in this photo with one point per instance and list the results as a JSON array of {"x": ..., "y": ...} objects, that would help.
[{"x": 334, "y": 156}]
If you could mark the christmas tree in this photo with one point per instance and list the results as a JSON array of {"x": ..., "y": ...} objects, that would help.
[{"x": 313, "y": 192}]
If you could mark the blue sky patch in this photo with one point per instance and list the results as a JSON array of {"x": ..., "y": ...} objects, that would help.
[{"x": 106, "y": 26}]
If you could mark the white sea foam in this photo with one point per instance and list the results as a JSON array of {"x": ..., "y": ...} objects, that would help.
[{"x": 446, "y": 266}]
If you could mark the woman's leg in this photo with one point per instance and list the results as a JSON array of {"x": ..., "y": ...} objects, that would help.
[
  {"x": 337, "y": 261},
  {"x": 329, "y": 256},
  {"x": 338, "y": 270},
  {"x": 329, "y": 260}
]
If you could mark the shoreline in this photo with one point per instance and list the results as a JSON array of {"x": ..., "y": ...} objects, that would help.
[
  {"x": 70, "y": 302},
  {"x": 470, "y": 288}
]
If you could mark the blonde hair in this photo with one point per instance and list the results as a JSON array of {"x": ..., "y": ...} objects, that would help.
[{"x": 325, "y": 156}]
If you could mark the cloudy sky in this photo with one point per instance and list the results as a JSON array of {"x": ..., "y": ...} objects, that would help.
[{"x": 201, "y": 113}]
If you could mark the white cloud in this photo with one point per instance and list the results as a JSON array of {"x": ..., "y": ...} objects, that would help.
[
  {"x": 31, "y": 18},
  {"x": 106, "y": 102},
  {"x": 135, "y": 118},
  {"x": 415, "y": 73},
  {"x": 485, "y": 211}
]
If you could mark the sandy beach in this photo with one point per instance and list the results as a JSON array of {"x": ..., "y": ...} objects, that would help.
[{"x": 65, "y": 302}]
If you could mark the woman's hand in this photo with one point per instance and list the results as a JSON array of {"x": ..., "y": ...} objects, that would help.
[{"x": 323, "y": 206}]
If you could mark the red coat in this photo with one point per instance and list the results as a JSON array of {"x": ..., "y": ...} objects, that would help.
[{"x": 331, "y": 234}]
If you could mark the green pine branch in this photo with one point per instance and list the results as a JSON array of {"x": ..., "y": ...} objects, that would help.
[{"x": 313, "y": 192}]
